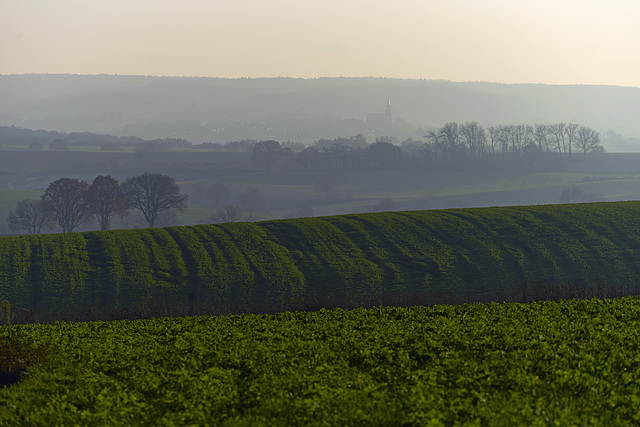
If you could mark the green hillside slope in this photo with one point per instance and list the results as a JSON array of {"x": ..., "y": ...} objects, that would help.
[{"x": 401, "y": 258}]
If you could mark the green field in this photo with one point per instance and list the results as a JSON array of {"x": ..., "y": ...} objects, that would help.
[
  {"x": 570, "y": 362},
  {"x": 402, "y": 258},
  {"x": 611, "y": 178},
  {"x": 514, "y": 182}
]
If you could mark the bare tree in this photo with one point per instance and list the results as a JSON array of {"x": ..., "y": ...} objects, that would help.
[
  {"x": 570, "y": 131},
  {"x": 494, "y": 139},
  {"x": 106, "y": 199},
  {"x": 588, "y": 140},
  {"x": 517, "y": 140},
  {"x": 450, "y": 138},
  {"x": 540, "y": 135},
  {"x": 153, "y": 193},
  {"x": 504, "y": 138},
  {"x": 557, "y": 133},
  {"x": 67, "y": 198},
  {"x": 231, "y": 213},
  {"x": 576, "y": 195},
  {"x": 474, "y": 137},
  {"x": 31, "y": 216}
]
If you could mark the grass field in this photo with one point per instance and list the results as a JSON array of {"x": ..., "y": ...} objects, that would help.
[
  {"x": 287, "y": 192},
  {"x": 513, "y": 182}
]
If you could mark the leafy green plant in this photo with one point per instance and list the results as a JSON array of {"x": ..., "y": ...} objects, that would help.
[
  {"x": 6, "y": 315},
  {"x": 571, "y": 362},
  {"x": 17, "y": 353}
]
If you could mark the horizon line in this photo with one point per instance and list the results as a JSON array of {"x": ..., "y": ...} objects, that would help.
[{"x": 319, "y": 78}]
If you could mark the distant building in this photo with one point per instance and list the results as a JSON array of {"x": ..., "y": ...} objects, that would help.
[{"x": 383, "y": 120}]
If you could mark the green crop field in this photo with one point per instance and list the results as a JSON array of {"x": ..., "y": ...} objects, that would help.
[
  {"x": 516, "y": 182},
  {"x": 403, "y": 258},
  {"x": 572, "y": 362}
]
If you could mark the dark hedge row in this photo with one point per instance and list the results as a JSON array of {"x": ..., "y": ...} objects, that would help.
[{"x": 401, "y": 258}]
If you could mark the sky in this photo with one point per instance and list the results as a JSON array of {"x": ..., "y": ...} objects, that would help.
[{"x": 507, "y": 41}]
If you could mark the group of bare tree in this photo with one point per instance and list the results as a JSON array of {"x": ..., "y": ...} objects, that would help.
[
  {"x": 456, "y": 141},
  {"x": 70, "y": 203},
  {"x": 249, "y": 206},
  {"x": 576, "y": 195},
  {"x": 450, "y": 144}
]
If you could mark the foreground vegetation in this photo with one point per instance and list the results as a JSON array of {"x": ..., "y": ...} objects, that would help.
[
  {"x": 402, "y": 258},
  {"x": 572, "y": 362}
]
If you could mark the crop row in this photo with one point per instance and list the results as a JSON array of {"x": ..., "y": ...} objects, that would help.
[
  {"x": 571, "y": 362},
  {"x": 401, "y": 258}
]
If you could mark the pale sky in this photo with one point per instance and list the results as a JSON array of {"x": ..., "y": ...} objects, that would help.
[{"x": 508, "y": 41}]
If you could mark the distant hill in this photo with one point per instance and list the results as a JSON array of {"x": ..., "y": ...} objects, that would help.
[{"x": 147, "y": 106}]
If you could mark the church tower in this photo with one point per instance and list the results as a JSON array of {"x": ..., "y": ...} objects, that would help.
[
  {"x": 387, "y": 112},
  {"x": 381, "y": 120}
]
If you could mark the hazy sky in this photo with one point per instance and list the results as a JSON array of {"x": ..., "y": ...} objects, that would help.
[{"x": 510, "y": 41}]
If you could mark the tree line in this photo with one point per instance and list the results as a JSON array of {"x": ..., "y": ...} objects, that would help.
[
  {"x": 454, "y": 140},
  {"x": 453, "y": 143},
  {"x": 69, "y": 203}
]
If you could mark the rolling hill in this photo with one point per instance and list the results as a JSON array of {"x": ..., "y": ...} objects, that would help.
[{"x": 402, "y": 258}]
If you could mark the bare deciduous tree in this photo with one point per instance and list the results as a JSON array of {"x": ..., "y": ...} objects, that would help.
[
  {"x": 67, "y": 198},
  {"x": 570, "y": 131},
  {"x": 231, "y": 213},
  {"x": 540, "y": 135},
  {"x": 153, "y": 193},
  {"x": 588, "y": 140},
  {"x": 558, "y": 135},
  {"x": 31, "y": 216},
  {"x": 576, "y": 195},
  {"x": 106, "y": 199},
  {"x": 474, "y": 136}
]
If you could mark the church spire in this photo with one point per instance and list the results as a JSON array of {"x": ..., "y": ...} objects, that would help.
[{"x": 387, "y": 111}]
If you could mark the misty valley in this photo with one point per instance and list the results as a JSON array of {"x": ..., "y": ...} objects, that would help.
[
  {"x": 457, "y": 165},
  {"x": 283, "y": 253}
]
